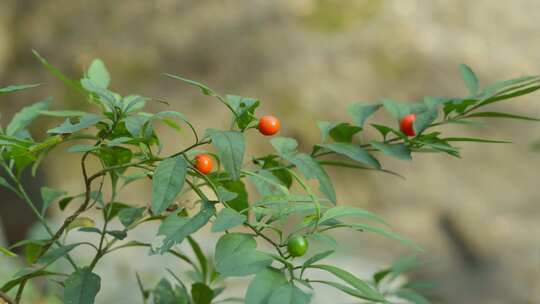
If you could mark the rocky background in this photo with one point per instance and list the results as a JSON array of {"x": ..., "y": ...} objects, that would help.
[{"x": 478, "y": 217}]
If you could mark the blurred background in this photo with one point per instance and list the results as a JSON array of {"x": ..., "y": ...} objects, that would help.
[{"x": 478, "y": 217}]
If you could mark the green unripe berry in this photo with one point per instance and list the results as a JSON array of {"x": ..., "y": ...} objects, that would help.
[{"x": 297, "y": 245}]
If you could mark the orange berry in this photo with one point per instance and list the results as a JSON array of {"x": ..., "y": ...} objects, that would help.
[
  {"x": 204, "y": 163},
  {"x": 269, "y": 125}
]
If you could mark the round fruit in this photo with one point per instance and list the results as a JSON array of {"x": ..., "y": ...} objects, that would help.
[
  {"x": 407, "y": 124},
  {"x": 269, "y": 125},
  {"x": 204, "y": 163},
  {"x": 297, "y": 245}
]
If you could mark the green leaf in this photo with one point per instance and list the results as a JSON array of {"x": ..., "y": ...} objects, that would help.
[
  {"x": 284, "y": 145},
  {"x": 113, "y": 208},
  {"x": 98, "y": 74},
  {"x": 263, "y": 285},
  {"x": 64, "y": 113},
  {"x": 324, "y": 127},
  {"x": 480, "y": 140},
  {"x": 341, "y": 211},
  {"x": 354, "y": 152},
  {"x": 16, "y": 88},
  {"x": 359, "y": 285},
  {"x": 201, "y": 293},
  {"x": 128, "y": 216},
  {"x": 90, "y": 230},
  {"x": 20, "y": 276},
  {"x": 384, "y": 130},
  {"x": 164, "y": 293},
  {"x": 244, "y": 263},
  {"x": 501, "y": 115},
  {"x": 411, "y": 296},
  {"x": 380, "y": 275},
  {"x": 507, "y": 86},
  {"x": 33, "y": 249},
  {"x": 81, "y": 222},
  {"x": 346, "y": 289},
  {"x": 396, "y": 109},
  {"x": 386, "y": 233},
  {"x": 310, "y": 168},
  {"x": 361, "y": 111},
  {"x": 244, "y": 109},
  {"x": 510, "y": 95},
  {"x": 67, "y": 127},
  {"x": 399, "y": 151},
  {"x": 49, "y": 195},
  {"x": 107, "y": 99},
  {"x": 235, "y": 255},
  {"x": 135, "y": 124},
  {"x": 4, "y": 183},
  {"x": 317, "y": 257},
  {"x": 272, "y": 164},
  {"x": 176, "y": 228},
  {"x": 325, "y": 238},
  {"x": 167, "y": 183},
  {"x": 267, "y": 184},
  {"x": 132, "y": 103},
  {"x": 425, "y": 119},
  {"x": 24, "y": 117},
  {"x": 231, "y": 242},
  {"x": 344, "y": 132},
  {"x": 470, "y": 79},
  {"x": 119, "y": 141},
  {"x": 201, "y": 258},
  {"x": 404, "y": 264},
  {"x": 289, "y": 294},
  {"x": 204, "y": 88},
  {"x": 55, "y": 253},
  {"x": 226, "y": 219},
  {"x": 6, "y": 252},
  {"x": 81, "y": 287},
  {"x": 167, "y": 116},
  {"x": 240, "y": 201},
  {"x": 79, "y": 148},
  {"x": 225, "y": 195},
  {"x": 117, "y": 234},
  {"x": 230, "y": 147},
  {"x": 56, "y": 72}
]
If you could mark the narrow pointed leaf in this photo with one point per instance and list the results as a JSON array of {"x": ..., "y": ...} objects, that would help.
[
  {"x": 399, "y": 151},
  {"x": 359, "y": 285},
  {"x": 470, "y": 79},
  {"x": 16, "y": 88},
  {"x": 354, "y": 152},
  {"x": 231, "y": 147},
  {"x": 167, "y": 183},
  {"x": 502, "y": 115}
]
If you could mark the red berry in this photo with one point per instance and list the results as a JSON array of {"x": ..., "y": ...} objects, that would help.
[
  {"x": 406, "y": 124},
  {"x": 269, "y": 125},
  {"x": 204, "y": 163}
]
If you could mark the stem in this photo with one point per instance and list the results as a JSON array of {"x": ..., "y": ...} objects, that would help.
[
  {"x": 38, "y": 215},
  {"x": 6, "y": 299},
  {"x": 313, "y": 197},
  {"x": 20, "y": 291},
  {"x": 204, "y": 197}
]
